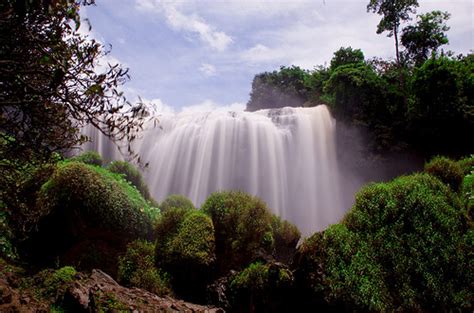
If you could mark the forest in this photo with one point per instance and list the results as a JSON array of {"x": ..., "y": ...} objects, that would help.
[{"x": 80, "y": 233}]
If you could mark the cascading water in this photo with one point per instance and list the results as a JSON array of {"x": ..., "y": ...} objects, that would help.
[{"x": 285, "y": 156}]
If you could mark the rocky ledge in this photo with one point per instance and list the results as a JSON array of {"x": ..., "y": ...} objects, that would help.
[{"x": 96, "y": 292}]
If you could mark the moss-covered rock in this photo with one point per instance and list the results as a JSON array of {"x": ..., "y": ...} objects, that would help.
[
  {"x": 404, "y": 245},
  {"x": 88, "y": 214}
]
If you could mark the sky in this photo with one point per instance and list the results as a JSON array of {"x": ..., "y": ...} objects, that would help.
[{"x": 198, "y": 55}]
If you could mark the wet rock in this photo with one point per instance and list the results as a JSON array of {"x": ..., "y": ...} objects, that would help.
[{"x": 99, "y": 291}]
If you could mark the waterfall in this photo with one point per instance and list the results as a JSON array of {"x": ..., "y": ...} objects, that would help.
[{"x": 287, "y": 157}]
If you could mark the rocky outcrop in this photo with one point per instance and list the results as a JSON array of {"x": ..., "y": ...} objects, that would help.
[
  {"x": 95, "y": 292},
  {"x": 99, "y": 291}
]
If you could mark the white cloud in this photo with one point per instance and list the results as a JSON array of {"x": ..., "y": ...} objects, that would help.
[
  {"x": 161, "y": 108},
  {"x": 261, "y": 53},
  {"x": 209, "y": 105},
  {"x": 189, "y": 23},
  {"x": 208, "y": 69}
]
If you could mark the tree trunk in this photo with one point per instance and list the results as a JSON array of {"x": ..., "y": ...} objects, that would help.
[{"x": 395, "y": 35}]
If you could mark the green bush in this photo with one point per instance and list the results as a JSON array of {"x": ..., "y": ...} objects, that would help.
[
  {"x": 467, "y": 164},
  {"x": 448, "y": 171},
  {"x": 137, "y": 269},
  {"x": 242, "y": 228},
  {"x": 176, "y": 201},
  {"x": 404, "y": 245},
  {"x": 55, "y": 283},
  {"x": 468, "y": 195},
  {"x": 89, "y": 157},
  {"x": 166, "y": 228},
  {"x": 260, "y": 288},
  {"x": 286, "y": 237},
  {"x": 131, "y": 174},
  {"x": 84, "y": 205},
  {"x": 101, "y": 196},
  {"x": 185, "y": 248}
]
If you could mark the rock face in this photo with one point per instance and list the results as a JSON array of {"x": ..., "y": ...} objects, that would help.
[
  {"x": 11, "y": 300},
  {"x": 96, "y": 292},
  {"x": 99, "y": 291}
]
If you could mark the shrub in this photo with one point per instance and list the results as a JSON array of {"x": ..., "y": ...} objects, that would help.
[
  {"x": 242, "y": 228},
  {"x": 137, "y": 268},
  {"x": 404, "y": 245},
  {"x": 185, "y": 248},
  {"x": 98, "y": 194},
  {"x": 286, "y": 237},
  {"x": 176, "y": 201},
  {"x": 261, "y": 288},
  {"x": 131, "y": 174},
  {"x": 55, "y": 283},
  {"x": 89, "y": 157},
  {"x": 84, "y": 204},
  {"x": 448, "y": 171},
  {"x": 468, "y": 195},
  {"x": 166, "y": 228},
  {"x": 467, "y": 164}
]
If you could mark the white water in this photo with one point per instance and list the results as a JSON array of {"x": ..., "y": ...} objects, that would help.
[{"x": 285, "y": 156}]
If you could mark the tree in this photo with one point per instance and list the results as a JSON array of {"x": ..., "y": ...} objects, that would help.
[
  {"x": 442, "y": 112},
  {"x": 345, "y": 56},
  {"x": 277, "y": 89},
  {"x": 393, "y": 12},
  {"x": 424, "y": 38},
  {"x": 51, "y": 85}
]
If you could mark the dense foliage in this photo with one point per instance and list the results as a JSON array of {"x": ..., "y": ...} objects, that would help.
[
  {"x": 286, "y": 87},
  {"x": 132, "y": 175},
  {"x": 89, "y": 157},
  {"x": 176, "y": 201},
  {"x": 185, "y": 249},
  {"x": 424, "y": 38},
  {"x": 421, "y": 102},
  {"x": 137, "y": 269},
  {"x": 51, "y": 84},
  {"x": 242, "y": 228},
  {"x": 85, "y": 215},
  {"x": 261, "y": 288},
  {"x": 404, "y": 245}
]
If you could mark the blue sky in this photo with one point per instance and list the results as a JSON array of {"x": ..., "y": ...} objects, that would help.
[{"x": 203, "y": 54}]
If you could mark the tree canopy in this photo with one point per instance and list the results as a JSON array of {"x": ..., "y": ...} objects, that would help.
[
  {"x": 55, "y": 80},
  {"x": 393, "y": 13},
  {"x": 426, "y": 36}
]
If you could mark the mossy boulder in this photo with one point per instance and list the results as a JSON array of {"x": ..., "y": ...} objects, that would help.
[
  {"x": 88, "y": 214},
  {"x": 404, "y": 245}
]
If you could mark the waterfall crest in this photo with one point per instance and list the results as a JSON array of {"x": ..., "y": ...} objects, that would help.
[{"x": 287, "y": 157}]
